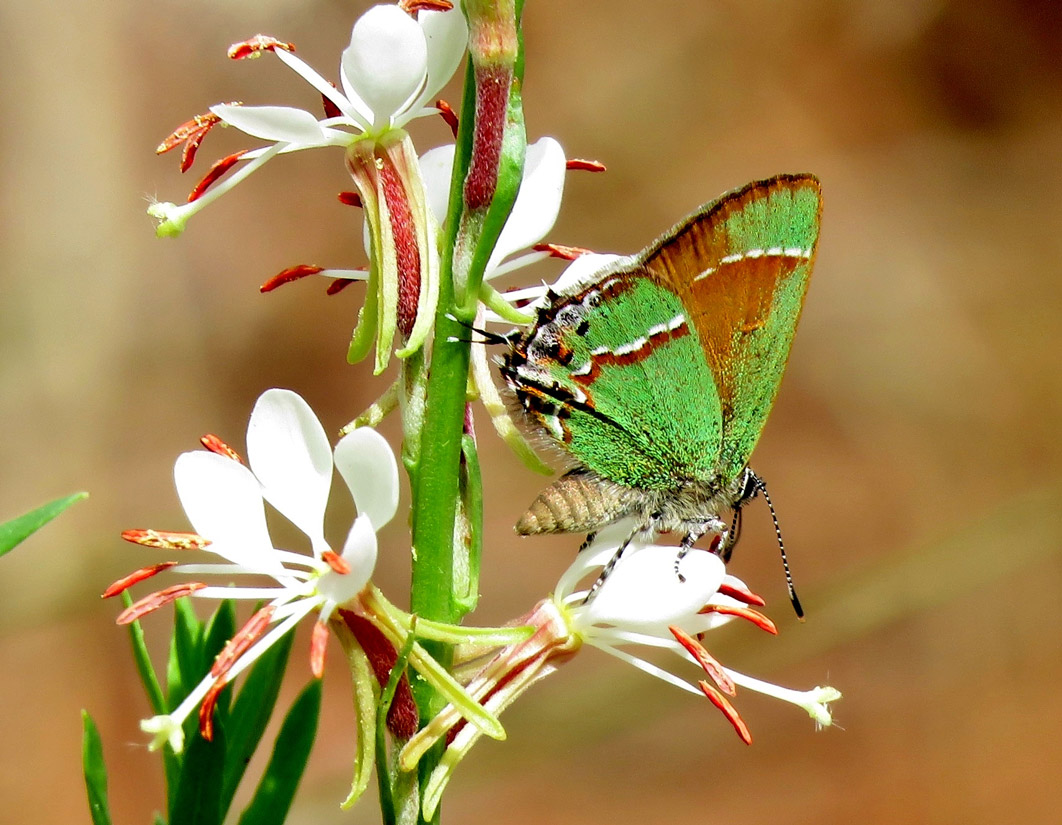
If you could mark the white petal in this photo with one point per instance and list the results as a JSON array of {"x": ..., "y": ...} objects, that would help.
[
  {"x": 386, "y": 61},
  {"x": 224, "y": 503},
  {"x": 282, "y": 124},
  {"x": 597, "y": 555},
  {"x": 289, "y": 453},
  {"x": 643, "y": 590},
  {"x": 436, "y": 168},
  {"x": 360, "y": 553},
  {"x": 586, "y": 269},
  {"x": 311, "y": 76},
  {"x": 447, "y": 36},
  {"x": 537, "y": 202},
  {"x": 367, "y": 464}
]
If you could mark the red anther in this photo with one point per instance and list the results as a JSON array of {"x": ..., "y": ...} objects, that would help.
[
  {"x": 350, "y": 199},
  {"x": 729, "y": 711},
  {"x": 186, "y": 130},
  {"x": 206, "y": 710},
  {"x": 318, "y": 645},
  {"x": 556, "y": 250},
  {"x": 447, "y": 113},
  {"x": 216, "y": 445},
  {"x": 166, "y": 539},
  {"x": 338, "y": 285},
  {"x": 742, "y": 595},
  {"x": 705, "y": 659},
  {"x": 135, "y": 577},
  {"x": 292, "y": 273},
  {"x": 753, "y": 616},
  {"x": 583, "y": 165},
  {"x": 336, "y": 562},
  {"x": 402, "y": 716},
  {"x": 411, "y": 7},
  {"x": 242, "y": 641},
  {"x": 156, "y": 600},
  {"x": 254, "y": 46},
  {"x": 216, "y": 171}
]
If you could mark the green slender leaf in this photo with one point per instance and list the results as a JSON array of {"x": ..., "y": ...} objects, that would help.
[
  {"x": 18, "y": 529},
  {"x": 250, "y": 713},
  {"x": 142, "y": 658},
  {"x": 197, "y": 800},
  {"x": 187, "y": 650},
  {"x": 275, "y": 792},
  {"x": 95, "y": 771}
]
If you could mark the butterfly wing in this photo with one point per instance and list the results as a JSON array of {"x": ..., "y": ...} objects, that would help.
[{"x": 741, "y": 268}]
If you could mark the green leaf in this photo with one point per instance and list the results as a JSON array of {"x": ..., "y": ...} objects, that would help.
[
  {"x": 197, "y": 800},
  {"x": 186, "y": 660},
  {"x": 18, "y": 529},
  {"x": 95, "y": 771},
  {"x": 275, "y": 792},
  {"x": 251, "y": 711},
  {"x": 142, "y": 658}
]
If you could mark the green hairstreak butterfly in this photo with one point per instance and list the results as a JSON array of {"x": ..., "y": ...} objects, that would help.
[{"x": 658, "y": 374}]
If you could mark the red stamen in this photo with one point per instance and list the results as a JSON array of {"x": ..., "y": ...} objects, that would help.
[
  {"x": 216, "y": 445},
  {"x": 350, "y": 199},
  {"x": 753, "y": 616},
  {"x": 742, "y": 595},
  {"x": 411, "y": 7},
  {"x": 166, "y": 539},
  {"x": 336, "y": 562},
  {"x": 318, "y": 645},
  {"x": 731, "y": 714},
  {"x": 556, "y": 250},
  {"x": 292, "y": 273},
  {"x": 402, "y": 716},
  {"x": 254, "y": 46},
  {"x": 246, "y": 636},
  {"x": 583, "y": 165},
  {"x": 216, "y": 171},
  {"x": 705, "y": 659},
  {"x": 136, "y": 577},
  {"x": 447, "y": 113},
  {"x": 156, "y": 600},
  {"x": 338, "y": 285},
  {"x": 206, "y": 710}
]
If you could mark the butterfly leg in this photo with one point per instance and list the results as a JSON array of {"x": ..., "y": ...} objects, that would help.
[
  {"x": 709, "y": 524},
  {"x": 606, "y": 571}
]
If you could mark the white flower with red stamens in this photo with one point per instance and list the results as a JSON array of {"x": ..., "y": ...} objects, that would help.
[
  {"x": 393, "y": 67},
  {"x": 642, "y": 603},
  {"x": 291, "y": 465}
]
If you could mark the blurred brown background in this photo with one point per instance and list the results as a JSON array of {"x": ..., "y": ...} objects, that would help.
[{"x": 913, "y": 454}]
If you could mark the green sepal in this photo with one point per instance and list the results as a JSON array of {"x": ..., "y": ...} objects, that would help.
[
  {"x": 18, "y": 529},
  {"x": 468, "y": 533},
  {"x": 364, "y": 335},
  {"x": 275, "y": 791},
  {"x": 197, "y": 800},
  {"x": 499, "y": 306},
  {"x": 95, "y": 771},
  {"x": 365, "y": 695},
  {"x": 383, "y": 707},
  {"x": 251, "y": 712}
]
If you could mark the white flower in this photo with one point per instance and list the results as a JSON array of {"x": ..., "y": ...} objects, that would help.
[
  {"x": 644, "y": 602},
  {"x": 291, "y": 466},
  {"x": 391, "y": 70}
]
